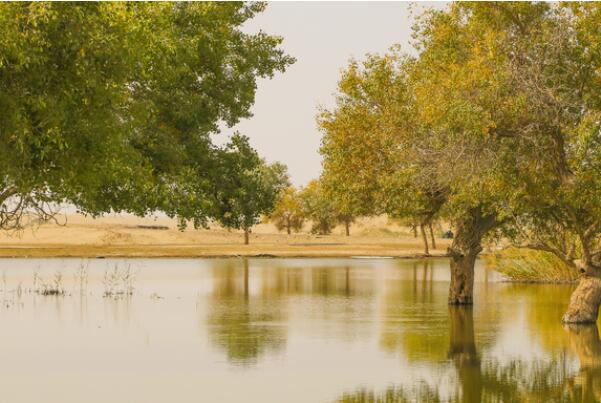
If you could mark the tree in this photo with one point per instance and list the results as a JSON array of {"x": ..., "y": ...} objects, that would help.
[
  {"x": 288, "y": 213},
  {"x": 431, "y": 134},
  {"x": 202, "y": 73},
  {"x": 248, "y": 187},
  {"x": 511, "y": 88},
  {"x": 561, "y": 206},
  {"x": 367, "y": 168},
  {"x": 318, "y": 208},
  {"x": 109, "y": 106}
]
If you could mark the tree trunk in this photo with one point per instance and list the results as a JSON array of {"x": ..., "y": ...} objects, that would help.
[
  {"x": 414, "y": 228},
  {"x": 246, "y": 235},
  {"x": 432, "y": 236},
  {"x": 347, "y": 227},
  {"x": 464, "y": 250},
  {"x": 586, "y": 298},
  {"x": 288, "y": 228},
  {"x": 425, "y": 239},
  {"x": 461, "y": 289}
]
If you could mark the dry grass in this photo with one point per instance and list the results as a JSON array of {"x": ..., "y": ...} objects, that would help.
[{"x": 126, "y": 236}]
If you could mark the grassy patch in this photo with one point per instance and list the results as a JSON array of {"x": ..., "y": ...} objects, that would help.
[{"x": 531, "y": 266}]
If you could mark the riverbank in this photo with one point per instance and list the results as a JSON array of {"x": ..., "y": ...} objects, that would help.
[{"x": 126, "y": 236}]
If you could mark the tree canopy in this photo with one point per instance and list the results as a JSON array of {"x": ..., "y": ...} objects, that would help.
[
  {"x": 288, "y": 213},
  {"x": 110, "y": 106},
  {"x": 246, "y": 187},
  {"x": 494, "y": 125}
]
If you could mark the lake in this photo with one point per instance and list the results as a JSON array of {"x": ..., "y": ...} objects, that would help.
[{"x": 283, "y": 330}]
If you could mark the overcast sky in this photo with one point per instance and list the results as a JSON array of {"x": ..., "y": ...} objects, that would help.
[{"x": 322, "y": 36}]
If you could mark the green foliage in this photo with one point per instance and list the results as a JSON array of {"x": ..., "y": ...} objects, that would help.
[
  {"x": 531, "y": 266},
  {"x": 288, "y": 213},
  {"x": 110, "y": 106},
  {"x": 318, "y": 208},
  {"x": 495, "y": 125},
  {"x": 246, "y": 187}
]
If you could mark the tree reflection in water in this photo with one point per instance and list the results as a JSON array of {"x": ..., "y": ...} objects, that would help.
[
  {"x": 245, "y": 326},
  {"x": 479, "y": 380}
]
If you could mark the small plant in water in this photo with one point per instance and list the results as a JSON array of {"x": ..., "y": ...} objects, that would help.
[
  {"x": 118, "y": 282},
  {"x": 80, "y": 278},
  {"x": 52, "y": 287}
]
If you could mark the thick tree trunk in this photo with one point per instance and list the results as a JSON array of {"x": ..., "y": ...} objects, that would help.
[
  {"x": 464, "y": 250},
  {"x": 347, "y": 227},
  {"x": 461, "y": 289},
  {"x": 432, "y": 236},
  {"x": 586, "y": 298},
  {"x": 425, "y": 239},
  {"x": 246, "y": 235}
]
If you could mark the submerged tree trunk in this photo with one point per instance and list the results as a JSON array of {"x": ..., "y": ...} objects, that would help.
[
  {"x": 432, "y": 236},
  {"x": 586, "y": 298},
  {"x": 425, "y": 239},
  {"x": 246, "y": 235},
  {"x": 467, "y": 244}
]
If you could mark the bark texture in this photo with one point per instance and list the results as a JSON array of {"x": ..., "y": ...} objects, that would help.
[
  {"x": 586, "y": 298},
  {"x": 464, "y": 250}
]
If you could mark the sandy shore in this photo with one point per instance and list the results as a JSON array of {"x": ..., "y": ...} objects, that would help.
[{"x": 127, "y": 236}]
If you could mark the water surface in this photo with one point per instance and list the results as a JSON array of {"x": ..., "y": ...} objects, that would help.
[{"x": 283, "y": 330}]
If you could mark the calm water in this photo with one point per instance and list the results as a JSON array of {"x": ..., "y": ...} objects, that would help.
[{"x": 283, "y": 330}]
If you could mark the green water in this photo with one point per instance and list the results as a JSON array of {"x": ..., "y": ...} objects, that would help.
[{"x": 285, "y": 330}]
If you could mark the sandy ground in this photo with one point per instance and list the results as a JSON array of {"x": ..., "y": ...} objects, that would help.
[{"x": 127, "y": 236}]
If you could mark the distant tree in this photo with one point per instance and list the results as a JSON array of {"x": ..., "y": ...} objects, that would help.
[
  {"x": 288, "y": 213},
  {"x": 318, "y": 208},
  {"x": 248, "y": 187},
  {"x": 346, "y": 219}
]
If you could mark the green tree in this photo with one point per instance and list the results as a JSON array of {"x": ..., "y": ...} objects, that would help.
[
  {"x": 510, "y": 96},
  {"x": 368, "y": 169},
  {"x": 288, "y": 213},
  {"x": 247, "y": 187},
  {"x": 318, "y": 208},
  {"x": 109, "y": 106}
]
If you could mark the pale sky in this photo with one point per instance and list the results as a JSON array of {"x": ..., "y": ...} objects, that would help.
[{"x": 322, "y": 36}]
